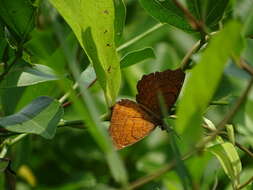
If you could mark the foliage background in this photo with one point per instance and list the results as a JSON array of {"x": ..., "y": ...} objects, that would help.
[{"x": 73, "y": 159}]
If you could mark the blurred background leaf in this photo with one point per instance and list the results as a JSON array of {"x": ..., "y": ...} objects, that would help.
[{"x": 74, "y": 158}]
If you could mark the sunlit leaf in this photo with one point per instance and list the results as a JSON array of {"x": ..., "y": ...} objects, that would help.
[{"x": 94, "y": 26}]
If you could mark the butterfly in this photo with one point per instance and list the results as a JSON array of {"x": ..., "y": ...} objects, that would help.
[{"x": 132, "y": 121}]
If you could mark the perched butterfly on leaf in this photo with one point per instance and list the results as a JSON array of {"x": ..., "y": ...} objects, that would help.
[{"x": 131, "y": 121}]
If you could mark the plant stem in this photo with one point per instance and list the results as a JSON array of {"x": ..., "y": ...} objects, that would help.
[
  {"x": 246, "y": 67},
  {"x": 229, "y": 115},
  {"x": 219, "y": 103},
  {"x": 143, "y": 180},
  {"x": 199, "y": 147},
  {"x": 250, "y": 180},
  {"x": 139, "y": 37},
  {"x": 244, "y": 149},
  {"x": 8, "y": 142},
  {"x": 65, "y": 96},
  {"x": 197, "y": 25},
  {"x": 224, "y": 134},
  {"x": 186, "y": 60}
]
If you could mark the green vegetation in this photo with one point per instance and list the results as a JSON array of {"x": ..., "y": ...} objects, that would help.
[{"x": 65, "y": 63}]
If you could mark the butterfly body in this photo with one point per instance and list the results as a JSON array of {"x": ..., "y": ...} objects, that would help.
[{"x": 131, "y": 121}]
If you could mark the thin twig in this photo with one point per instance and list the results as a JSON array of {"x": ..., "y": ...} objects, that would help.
[
  {"x": 8, "y": 142},
  {"x": 246, "y": 67},
  {"x": 244, "y": 149},
  {"x": 141, "y": 181},
  {"x": 187, "y": 58},
  {"x": 224, "y": 134},
  {"x": 229, "y": 115},
  {"x": 250, "y": 180},
  {"x": 78, "y": 124},
  {"x": 195, "y": 48},
  {"x": 139, "y": 37},
  {"x": 199, "y": 147},
  {"x": 219, "y": 103},
  {"x": 196, "y": 24}
]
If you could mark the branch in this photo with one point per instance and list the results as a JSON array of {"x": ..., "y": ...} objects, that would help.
[
  {"x": 229, "y": 116},
  {"x": 143, "y": 180},
  {"x": 220, "y": 126},
  {"x": 187, "y": 58},
  {"x": 197, "y": 25},
  {"x": 246, "y": 67},
  {"x": 139, "y": 37},
  {"x": 250, "y": 180},
  {"x": 8, "y": 142},
  {"x": 224, "y": 134}
]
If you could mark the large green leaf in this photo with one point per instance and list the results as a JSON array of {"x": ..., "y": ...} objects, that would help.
[
  {"x": 205, "y": 77},
  {"x": 26, "y": 75},
  {"x": 166, "y": 12},
  {"x": 18, "y": 16},
  {"x": 136, "y": 56},
  {"x": 40, "y": 117},
  {"x": 94, "y": 25}
]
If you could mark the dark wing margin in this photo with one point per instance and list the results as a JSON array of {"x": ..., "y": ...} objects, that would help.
[{"x": 168, "y": 83}]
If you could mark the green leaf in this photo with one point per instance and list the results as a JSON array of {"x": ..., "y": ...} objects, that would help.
[
  {"x": 25, "y": 75},
  {"x": 214, "y": 10},
  {"x": 137, "y": 56},
  {"x": 229, "y": 160},
  {"x": 120, "y": 17},
  {"x": 94, "y": 26},
  {"x": 248, "y": 26},
  {"x": 194, "y": 7},
  {"x": 89, "y": 113},
  {"x": 18, "y": 16},
  {"x": 205, "y": 77},
  {"x": 166, "y": 12},
  {"x": 4, "y": 163},
  {"x": 87, "y": 76},
  {"x": 231, "y": 134},
  {"x": 40, "y": 117},
  {"x": 208, "y": 11}
]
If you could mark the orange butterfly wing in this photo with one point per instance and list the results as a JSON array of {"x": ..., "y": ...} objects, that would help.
[
  {"x": 129, "y": 123},
  {"x": 168, "y": 83}
]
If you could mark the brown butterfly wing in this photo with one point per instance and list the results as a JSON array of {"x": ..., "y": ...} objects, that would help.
[
  {"x": 168, "y": 83},
  {"x": 129, "y": 123}
]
